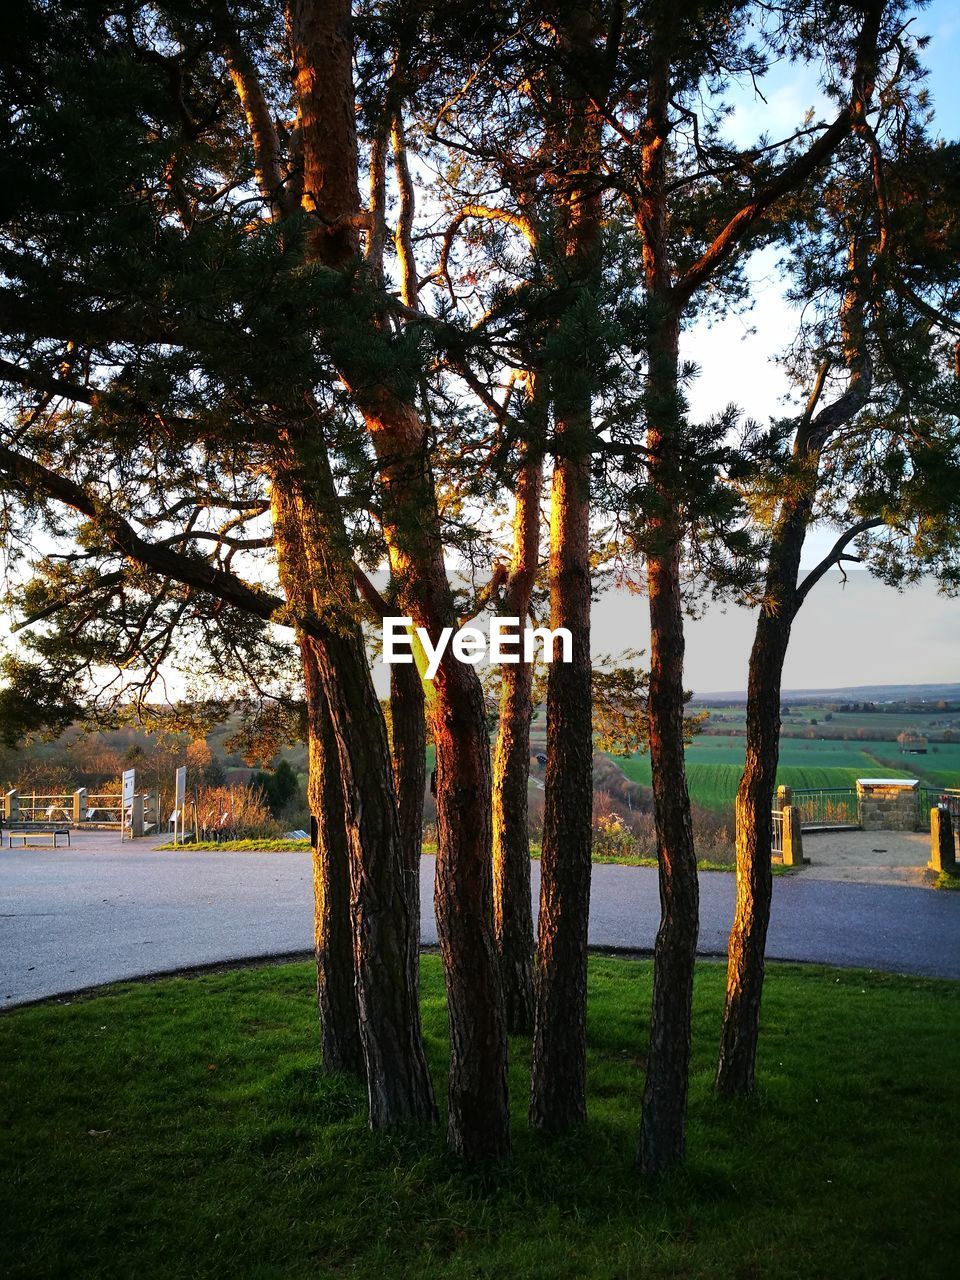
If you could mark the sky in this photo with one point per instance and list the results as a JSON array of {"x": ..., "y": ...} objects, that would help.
[
  {"x": 847, "y": 634},
  {"x": 737, "y": 356}
]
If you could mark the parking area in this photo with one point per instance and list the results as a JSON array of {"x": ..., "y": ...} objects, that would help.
[
  {"x": 101, "y": 912},
  {"x": 867, "y": 857}
]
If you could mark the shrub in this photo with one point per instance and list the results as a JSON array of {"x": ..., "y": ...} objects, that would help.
[{"x": 234, "y": 811}]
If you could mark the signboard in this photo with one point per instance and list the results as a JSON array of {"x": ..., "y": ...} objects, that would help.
[
  {"x": 126, "y": 804},
  {"x": 180, "y": 799}
]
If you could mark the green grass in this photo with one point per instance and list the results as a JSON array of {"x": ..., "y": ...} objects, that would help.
[
  {"x": 296, "y": 846},
  {"x": 241, "y": 846},
  {"x": 714, "y": 765},
  {"x": 182, "y": 1129}
]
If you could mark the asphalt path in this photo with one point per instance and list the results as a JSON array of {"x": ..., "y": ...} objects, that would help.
[{"x": 73, "y": 918}]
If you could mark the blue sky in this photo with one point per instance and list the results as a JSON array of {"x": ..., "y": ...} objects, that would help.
[{"x": 737, "y": 355}]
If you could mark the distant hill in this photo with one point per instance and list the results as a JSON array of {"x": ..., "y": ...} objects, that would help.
[{"x": 849, "y": 693}]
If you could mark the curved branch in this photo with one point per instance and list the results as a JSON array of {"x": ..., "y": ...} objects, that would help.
[
  {"x": 797, "y": 171},
  {"x": 833, "y": 556},
  {"x": 32, "y": 476}
]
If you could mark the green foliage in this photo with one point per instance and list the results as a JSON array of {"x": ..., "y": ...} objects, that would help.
[
  {"x": 185, "y": 1127},
  {"x": 279, "y": 786},
  {"x": 32, "y": 701}
]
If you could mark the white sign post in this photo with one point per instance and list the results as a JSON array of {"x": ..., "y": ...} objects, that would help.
[
  {"x": 180, "y": 800},
  {"x": 126, "y": 800}
]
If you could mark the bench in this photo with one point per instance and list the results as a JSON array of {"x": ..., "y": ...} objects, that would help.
[{"x": 24, "y": 831}]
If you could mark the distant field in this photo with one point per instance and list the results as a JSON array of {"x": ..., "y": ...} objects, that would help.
[
  {"x": 725, "y": 716},
  {"x": 714, "y": 765}
]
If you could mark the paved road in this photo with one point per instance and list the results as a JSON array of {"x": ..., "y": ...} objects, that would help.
[{"x": 71, "y": 919}]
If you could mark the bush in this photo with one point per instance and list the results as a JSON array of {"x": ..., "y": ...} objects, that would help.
[
  {"x": 235, "y": 811},
  {"x": 279, "y": 787}
]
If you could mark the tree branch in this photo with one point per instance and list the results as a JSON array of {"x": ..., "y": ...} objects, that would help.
[
  {"x": 29, "y": 475},
  {"x": 797, "y": 172},
  {"x": 833, "y": 556}
]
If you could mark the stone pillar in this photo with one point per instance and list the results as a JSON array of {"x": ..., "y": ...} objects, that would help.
[
  {"x": 136, "y": 815},
  {"x": 943, "y": 853},
  {"x": 792, "y": 837},
  {"x": 79, "y": 806},
  {"x": 888, "y": 804},
  {"x": 12, "y": 806},
  {"x": 784, "y": 797}
]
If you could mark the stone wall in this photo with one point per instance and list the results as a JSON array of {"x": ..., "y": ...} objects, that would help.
[{"x": 889, "y": 804}]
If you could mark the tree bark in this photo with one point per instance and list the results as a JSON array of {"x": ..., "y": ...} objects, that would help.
[
  {"x": 321, "y": 47},
  {"x": 736, "y": 1067},
  {"x": 513, "y": 912},
  {"x": 663, "y": 1120},
  {"x": 558, "y": 1094},
  {"x": 341, "y": 1047},
  {"x": 315, "y": 571},
  {"x": 409, "y": 742},
  {"x": 736, "y": 1064}
]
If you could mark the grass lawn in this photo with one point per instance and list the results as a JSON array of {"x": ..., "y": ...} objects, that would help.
[
  {"x": 295, "y": 846},
  {"x": 182, "y": 1128}
]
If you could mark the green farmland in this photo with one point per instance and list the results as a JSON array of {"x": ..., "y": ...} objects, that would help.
[{"x": 714, "y": 765}]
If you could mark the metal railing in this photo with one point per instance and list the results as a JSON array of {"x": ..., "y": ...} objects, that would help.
[
  {"x": 104, "y": 809},
  {"x": 941, "y": 798},
  {"x": 56, "y": 807},
  {"x": 827, "y": 806},
  {"x": 776, "y": 844}
]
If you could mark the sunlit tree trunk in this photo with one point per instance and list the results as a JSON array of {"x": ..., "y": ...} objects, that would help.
[
  {"x": 333, "y": 941},
  {"x": 513, "y": 912},
  {"x": 558, "y": 1096},
  {"x": 663, "y": 1119},
  {"x": 478, "y": 1126},
  {"x": 736, "y": 1065},
  {"x": 663, "y": 1116},
  {"x": 317, "y": 579}
]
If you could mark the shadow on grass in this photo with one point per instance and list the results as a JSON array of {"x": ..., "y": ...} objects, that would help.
[{"x": 183, "y": 1128}]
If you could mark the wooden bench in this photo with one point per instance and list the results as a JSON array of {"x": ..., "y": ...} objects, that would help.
[{"x": 23, "y": 831}]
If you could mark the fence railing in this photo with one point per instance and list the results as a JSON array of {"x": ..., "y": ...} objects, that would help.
[
  {"x": 776, "y": 844},
  {"x": 35, "y": 807},
  {"x": 941, "y": 798},
  {"x": 827, "y": 806},
  {"x": 83, "y": 808}
]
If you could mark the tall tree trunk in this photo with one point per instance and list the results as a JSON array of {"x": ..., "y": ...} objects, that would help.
[
  {"x": 736, "y": 1065},
  {"x": 317, "y": 576},
  {"x": 409, "y": 742},
  {"x": 558, "y": 1097},
  {"x": 513, "y": 913},
  {"x": 663, "y": 1121},
  {"x": 478, "y": 1125},
  {"x": 558, "y": 1094},
  {"x": 341, "y": 1046},
  {"x": 664, "y": 1109},
  {"x": 322, "y": 50}
]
